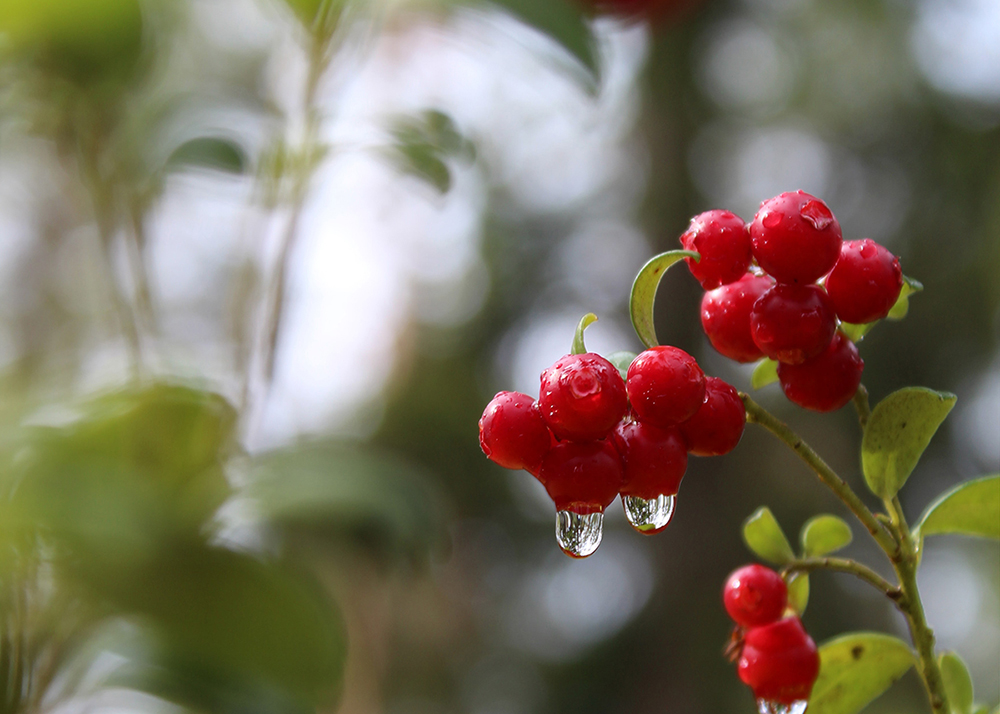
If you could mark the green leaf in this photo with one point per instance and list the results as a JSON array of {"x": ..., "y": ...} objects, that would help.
[
  {"x": 971, "y": 508},
  {"x": 856, "y": 333},
  {"x": 586, "y": 321},
  {"x": 798, "y": 592},
  {"x": 824, "y": 534},
  {"x": 765, "y": 373},
  {"x": 900, "y": 427},
  {"x": 622, "y": 360},
  {"x": 957, "y": 682},
  {"x": 640, "y": 303},
  {"x": 209, "y": 152},
  {"x": 902, "y": 306},
  {"x": 423, "y": 143},
  {"x": 855, "y": 669},
  {"x": 764, "y": 537}
]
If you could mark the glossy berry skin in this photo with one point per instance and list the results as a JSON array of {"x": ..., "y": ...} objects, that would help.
[
  {"x": 865, "y": 282},
  {"x": 755, "y": 595},
  {"x": 795, "y": 238},
  {"x": 722, "y": 240},
  {"x": 665, "y": 386},
  {"x": 827, "y": 382},
  {"x": 655, "y": 459},
  {"x": 582, "y": 476},
  {"x": 725, "y": 317},
  {"x": 512, "y": 432},
  {"x": 582, "y": 397},
  {"x": 716, "y": 428},
  {"x": 792, "y": 323},
  {"x": 779, "y": 661}
]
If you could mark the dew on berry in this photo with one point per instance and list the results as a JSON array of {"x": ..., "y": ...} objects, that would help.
[
  {"x": 649, "y": 516},
  {"x": 579, "y": 534},
  {"x": 765, "y": 706}
]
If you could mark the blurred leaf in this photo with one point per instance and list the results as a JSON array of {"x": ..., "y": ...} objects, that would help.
[
  {"x": 902, "y": 306},
  {"x": 622, "y": 360},
  {"x": 798, "y": 592},
  {"x": 971, "y": 508},
  {"x": 855, "y": 669},
  {"x": 824, "y": 534},
  {"x": 856, "y": 333},
  {"x": 640, "y": 302},
  {"x": 210, "y": 153},
  {"x": 957, "y": 682},
  {"x": 764, "y": 537},
  {"x": 586, "y": 321},
  {"x": 422, "y": 143},
  {"x": 898, "y": 431},
  {"x": 765, "y": 373}
]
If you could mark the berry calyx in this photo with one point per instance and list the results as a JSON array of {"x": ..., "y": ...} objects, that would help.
[
  {"x": 655, "y": 459},
  {"x": 779, "y": 661},
  {"x": 725, "y": 317},
  {"x": 795, "y": 238},
  {"x": 865, "y": 282},
  {"x": 716, "y": 428},
  {"x": 582, "y": 397},
  {"x": 825, "y": 382},
  {"x": 582, "y": 476},
  {"x": 792, "y": 323},
  {"x": 512, "y": 432},
  {"x": 755, "y": 595},
  {"x": 722, "y": 240},
  {"x": 665, "y": 386}
]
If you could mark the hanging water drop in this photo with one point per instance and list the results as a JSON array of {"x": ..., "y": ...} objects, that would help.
[
  {"x": 765, "y": 706},
  {"x": 578, "y": 534},
  {"x": 649, "y": 516}
]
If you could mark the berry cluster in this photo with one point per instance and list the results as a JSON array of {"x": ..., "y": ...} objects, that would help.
[
  {"x": 592, "y": 435},
  {"x": 777, "y": 658},
  {"x": 763, "y": 297}
]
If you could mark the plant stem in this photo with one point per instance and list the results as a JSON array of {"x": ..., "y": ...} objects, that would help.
[
  {"x": 846, "y": 565},
  {"x": 861, "y": 406}
]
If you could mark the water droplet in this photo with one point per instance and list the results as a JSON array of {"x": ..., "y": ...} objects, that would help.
[
  {"x": 578, "y": 534},
  {"x": 818, "y": 214},
  {"x": 771, "y": 220},
  {"x": 649, "y": 516},
  {"x": 765, "y": 706}
]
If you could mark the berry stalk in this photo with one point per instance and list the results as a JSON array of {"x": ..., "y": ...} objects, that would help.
[{"x": 846, "y": 565}]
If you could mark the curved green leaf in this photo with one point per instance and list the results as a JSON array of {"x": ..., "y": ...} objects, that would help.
[
  {"x": 764, "y": 537},
  {"x": 765, "y": 373},
  {"x": 640, "y": 304},
  {"x": 855, "y": 669},
  {"x": 586, "y": 321},
  {"x": 798, "y": 592},
  {"x": 824, "y": 534},
  {"x": 900, "y": 427},
  {"x": 622, "y": 360},
  {"x": 210, "y": 152},
  {"x": 902, "y": 306},
  {"x": 957, "y": 682},
  {"x": 971, "y": 508},
  {"x": 856, "y": 333}
]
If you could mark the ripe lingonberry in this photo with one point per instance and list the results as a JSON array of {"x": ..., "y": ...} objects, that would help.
[
  {"x": 582, "y": 476},
  {"x": 716, "y": 428},
  {"x": 795, "y": 238},
  {"x": 779, "y": 661},
  {"x": 665, "y": 386},
  {"x": 865, "y": 282},
  {"x": 512, "y": 432},
  {"x": 791, "y": 323},
  {"x": 826, "y": 382},
  {"x": 723, "y": 242},
  {"x": 655, "y": 459},
  {"x": 582, "y": 397},
  {"x": 755, "y": 595},
  {"x": 725, "y": 317}
]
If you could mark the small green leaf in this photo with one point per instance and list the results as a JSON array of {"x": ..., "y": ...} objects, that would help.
[
  {"x": 900, "y": 427},
  {"x": 640, "y": 302},
  {"x": 981, "y": 710},
  {"x": 856, "y": 333},
  {"x": 622, "y": 360},
  {"x": 764, "y": 537},
  {"x": 765, "y": 373},
  {"x": 798, "y": 592},
  {"x": 586, "y": 321},
  {"x": 855, "y": 669},
  {"x": 902, "y": 306},
  {"x": 957, "y": 682},
  {"x": 209, "y": 152},
  {"x": 824, "y": 534},
  {"x": 971, "y": 508}
]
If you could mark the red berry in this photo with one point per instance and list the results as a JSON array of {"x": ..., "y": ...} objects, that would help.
[
  {"x": 665, "y": 386},
  {"x": 725, "y": 317},
  {"x": 795, "y": 238},
  {"x": 755, "y": 596},
  {"x": 722, "y": 240},
  {"x": 716, "y": 428},
  {"x": 865, "y": 282},
  {"x": 791, "y": 323},
  {"x": 512, "y": 432},
  {"x": 582, "y": 476},
  {"x": 654, "y": 10},
  {"x": 826, "y": 382},
  {"x": 582, "y": 397},
  {"x": 779, "y": 662},
  {"x": 655, "y": 459}
]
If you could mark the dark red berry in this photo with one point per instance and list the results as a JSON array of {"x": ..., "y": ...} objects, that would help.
[
  {"x": 512, "y": 432},
  {"x": 582, "y": 397},
  {"x": 582, "y": 476},
  {"x": 795, "y": 238},
  {"x": 725, "y": 317},
  {"x": 779, "y": 662},
  {"x": 755, "y": 596},
  {"x": 655, "y": 459},
  {"x": 792, "y": 323},
  {"x": 826, "y": 382},
  {"x": 722, "y": 240},
  {"x": 865, "y": 282},
  {"x": 656, "y": 11},
  {"x": 716, "y": 428},
  {"x": 665, "y": 386}
]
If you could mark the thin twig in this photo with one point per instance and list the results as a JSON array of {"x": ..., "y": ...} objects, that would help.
[
  {"x": 846, "y": 565},
  {"x": 861, "y": 406}
]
